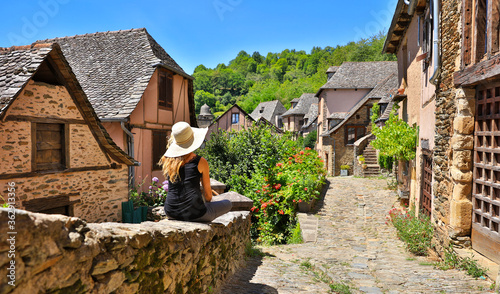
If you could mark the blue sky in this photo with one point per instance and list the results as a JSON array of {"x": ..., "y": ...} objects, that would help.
[{"x": 202, "y": 31}]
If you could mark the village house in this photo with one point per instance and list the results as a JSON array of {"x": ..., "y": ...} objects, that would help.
[
  {"x": 137, "y": 90},
  {"x": 294, "y": 118},
  {"x": 270, "y": 111},
  {"x": 52, "y": 145},
  {"x": 454, "y": 178},
  {"x": 233, "y": 119},
  {"x": 345, "y": 103},
  {"x": 310, "y": 120}
]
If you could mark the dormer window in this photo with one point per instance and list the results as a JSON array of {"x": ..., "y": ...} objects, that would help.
[{"x": 261, "y": 109}]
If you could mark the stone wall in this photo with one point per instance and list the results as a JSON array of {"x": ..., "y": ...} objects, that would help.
[
  {"x": 450, "y": 34},
  {"x": 95, "y": 183},
  {"x": 57, "y": 254}
]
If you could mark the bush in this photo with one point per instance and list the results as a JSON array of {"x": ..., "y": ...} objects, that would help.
[
  {"x": 385, "y": 161},
  {"x": 345, "y": 166},
  {"x": 310, "y": 140},
  {"x": 415, "y": 232},
  {"x": 273, "y": 170}
]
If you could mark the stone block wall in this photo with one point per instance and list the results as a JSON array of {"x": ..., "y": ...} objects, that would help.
[
  {"x": 58, "y": 254},
  {"x": 450, "y": 34},
  {"x": 96, "y": 183}
]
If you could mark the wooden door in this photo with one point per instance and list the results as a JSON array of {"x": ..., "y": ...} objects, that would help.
[
  {"x": 426, "y": 199},
  {"x": 486, "y": 188}
]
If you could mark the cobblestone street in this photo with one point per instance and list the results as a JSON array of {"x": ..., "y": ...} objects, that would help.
[{"x": 354, "y": 247}]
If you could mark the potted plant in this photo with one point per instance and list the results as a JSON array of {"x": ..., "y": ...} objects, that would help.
[
  {"x": 361, "y": 159},
  {"x": 344, "y": 170}
]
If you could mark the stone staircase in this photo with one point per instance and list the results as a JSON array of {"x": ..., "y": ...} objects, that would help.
[{"x": 373, "y": 169}]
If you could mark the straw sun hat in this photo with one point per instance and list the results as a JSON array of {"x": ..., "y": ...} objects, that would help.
[{"x": 186, "y": 139}]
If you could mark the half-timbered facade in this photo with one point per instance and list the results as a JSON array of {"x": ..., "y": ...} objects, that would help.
[
  {"x": 137, "y": 90},
  {"x": 53, "y": 149}
]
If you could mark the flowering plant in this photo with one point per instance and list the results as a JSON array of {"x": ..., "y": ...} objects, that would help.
[
  {"x": 415, "y": 231},
  {"x": 277, "y": 192},
  {"x": 155, "y": 195}
]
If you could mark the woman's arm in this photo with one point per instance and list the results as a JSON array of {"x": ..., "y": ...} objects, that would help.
[{"x": 205, "y": 178}]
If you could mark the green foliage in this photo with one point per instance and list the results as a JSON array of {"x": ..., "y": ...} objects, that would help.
[
  {"x": 296, "y": 235},
  {"x": 310, "y": 139},
  {"x": 468, "y": 264},
  {"x": 375, "y": 112},
  {"x": 251, "y": 79},
  {"x": 396, "y": 139},
  {"x": 272, "y": 170},
  {"x": 4, "y": 204},
  {"x": 385, "y": 161},
  {"x": 415, "y": 232},
  {"x": 340, "y": 288},
  {"x": 155, "y": 195},
  {"x": 345, "y": 166}
]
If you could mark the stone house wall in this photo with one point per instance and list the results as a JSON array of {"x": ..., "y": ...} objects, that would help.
[
  {"x": 59, "y": 254},
  {"x": 96, "y": 182},
  {"x": 450, "y": 34},
  {"x": 344, "y": 154}
]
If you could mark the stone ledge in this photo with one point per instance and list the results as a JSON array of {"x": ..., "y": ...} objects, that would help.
[
  {"x": 239, "y": 201},
  {"x": 68, "y": 255}
]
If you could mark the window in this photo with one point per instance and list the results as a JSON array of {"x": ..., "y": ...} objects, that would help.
[
  {"x": 480, "y": 30},
  {"x": 354, "y": 133},
  {"x": 49, "y": 147},
  {"x": 301, "y": 123},
  {"x": 159, "y": 147},
  {"x": 235, "y": 118},
  {"x": 165, "y": 90}
]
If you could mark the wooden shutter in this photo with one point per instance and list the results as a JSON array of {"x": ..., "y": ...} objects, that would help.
[
  {"x": 50, "y": 149},
  {"x": 165, "y": 90},
  {"x": 159, "y": 147}
]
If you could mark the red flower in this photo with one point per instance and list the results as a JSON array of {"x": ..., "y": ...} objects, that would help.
[
  {"x": 305, "y": 189},
  {"x": 277, "y": 186},
  {"x": 301, "y": 152},
  {"x": 253, "y": 208},
  {"x": 281, "y": 212},
  {"x": 294, "y": 200},
  {"x": 307, "y": 148},
  {"x": 279, "y": 164},
  {"x": 258, "y": 191},
  {"x": 289, "y": 162},
  {"x": 300, "y": 200}
]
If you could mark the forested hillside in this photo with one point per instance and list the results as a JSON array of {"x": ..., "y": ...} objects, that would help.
[{"x": 251, "y": 79}]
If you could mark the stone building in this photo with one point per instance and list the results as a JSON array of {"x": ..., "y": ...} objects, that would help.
[
  {"x": 345, "y": 103},
  {"x": 294, "y": 118},
  {"x": 52, "y": 144},
  {"x": 271, "y": 111},
  {"x": 137, "y": 90},
  {"x": 205, "y": 117},
  {"x": 234, "y": 119},
  {"x": 459, "y": 42}
]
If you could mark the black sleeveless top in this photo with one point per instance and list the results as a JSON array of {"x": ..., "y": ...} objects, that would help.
[{"x": 184, "y": 199}]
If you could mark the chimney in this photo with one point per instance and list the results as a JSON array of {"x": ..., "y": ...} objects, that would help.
[{"x": 330, "y": 72}]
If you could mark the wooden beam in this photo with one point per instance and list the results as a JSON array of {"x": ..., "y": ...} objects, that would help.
[
  {"x": 477, "y": 73},
  {"x": 45, "y": 203},
  {"x": 46, "y": 120},
  {"x": 64, "y": 171}
]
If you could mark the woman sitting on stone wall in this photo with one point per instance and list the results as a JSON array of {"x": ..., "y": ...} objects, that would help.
[{"x": 184, "y": 171}]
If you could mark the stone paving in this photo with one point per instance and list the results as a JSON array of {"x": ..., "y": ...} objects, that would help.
[{"x": 353, "y": 246}]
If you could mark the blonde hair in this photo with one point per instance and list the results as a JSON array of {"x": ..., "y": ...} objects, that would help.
[{"x": 171, "y": 165}]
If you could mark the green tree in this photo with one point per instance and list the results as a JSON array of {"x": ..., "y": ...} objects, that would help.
[{"x": 201, "y": 97}]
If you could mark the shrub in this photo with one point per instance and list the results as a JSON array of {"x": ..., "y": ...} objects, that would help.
[
  {"x": 310, "y": 140},
  {"x": 273, "y": 170},
  {"x": 415, "y": 232},
  {"x": 345, "y": 166},
  {"x": 385, "y": 161}
]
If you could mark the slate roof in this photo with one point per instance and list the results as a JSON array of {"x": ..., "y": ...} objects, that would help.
[
  {"x": 19, "y": 64},
  {"x": 385, "y": 89},
  {"x": 360, "y": 75},
  {"x": 302, "y": 106},
  {"x": 332, "y": 69},
  {"x": 338, "y": 115},
  {"x": 269, "y": 109},
  {"x": 311, "y": 115},
  {"x": 114, "y": 68}
]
